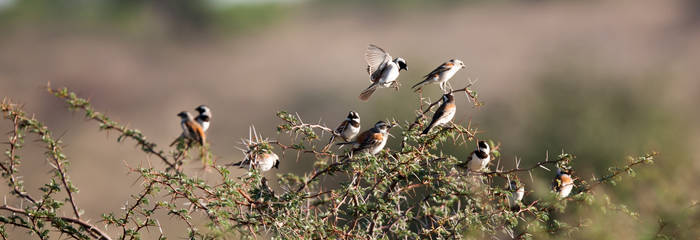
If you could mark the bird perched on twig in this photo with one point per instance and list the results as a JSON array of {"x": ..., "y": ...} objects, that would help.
[
  {"x": 191, "y": 130},
  {"x": 349, "y": 128},
  {"x": 563, "y": 183},
  {"x": 516, "y": 194},
  {"x": 480, "y": 157},
  {"x": 382, "y": 69},
  {"x": 444, "y": 114},
  {"x": 441, "y": 74},
  {"x": 371, "y": 141},
  {"x": 262, "y": 161},
  {"x": 204, "y": 116}
]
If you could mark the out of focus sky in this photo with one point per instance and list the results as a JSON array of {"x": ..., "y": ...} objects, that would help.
[{"x": 599, "y": 79}]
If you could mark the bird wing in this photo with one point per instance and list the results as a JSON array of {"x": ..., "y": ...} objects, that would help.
[
  {"x": 373, "y": 138},
  {"x": 341, "y": 128},
  {"x": 196, "y": 131},
  {"x": 376, "y": 58},
  {"x": 440, "y": 69},
  {"x": 439, "y": 112}
]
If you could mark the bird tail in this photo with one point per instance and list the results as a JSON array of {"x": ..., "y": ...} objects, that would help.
[
  {"x": 329, "y": 143},
  {"x": 238, "y": 164},
  {"x": 178, "y": 139},
  {"x": 344, "y": 143},
  {"x": 368, "y": 92},
  {"x": 419, "y": 85},
  {"x": 427, "y": 129}
]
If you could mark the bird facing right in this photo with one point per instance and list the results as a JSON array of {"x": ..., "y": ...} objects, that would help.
[
  {"x": 441, "y": 74},
  {"x": 371, "y": 141},
  {"x": 261, "y": 161},
  {"x": 480, "y": 157},
  {"x": 204, "y": 116},
  {"x": 563, "y": 183},
  {"x": 383, "y": 70},
  {"x": 444, "y": 114},
  {"x": 350, "y": 127}
]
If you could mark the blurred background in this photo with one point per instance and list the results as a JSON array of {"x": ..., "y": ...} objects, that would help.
[{"x": 599, "y": 79}]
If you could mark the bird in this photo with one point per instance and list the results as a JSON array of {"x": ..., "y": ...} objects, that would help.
[
  {"x": 441, "y": 74},
  {"x": 349, "y": 128},
  {"x": 563, "y": 183},
  {"x": 191, "y": 130},
  {"x": 371, "y": 141},
  {"x": 204, "y": 116},
  {"x": 262, "y": 161},
  {"x": 382, "y": 69},
  {"x": 515, "y": 195},
  {"x": 444, "y": 114},
  {"x": 480, "y": 157}
]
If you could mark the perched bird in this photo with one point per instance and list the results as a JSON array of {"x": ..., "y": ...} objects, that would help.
[
  {"x": 516, "y": 194},
  {"x": 382, "y": 69},
  {"x": 441, "y": 74},
  {"x": 373, "y": 140},
  {"x": 262, "y": 161},
  {"x": 349, "y": 128},
  {"x": 444, "y": 113},
  {"x": 480, "y": 157},
  {"x": 204, "y": 116},
  {"x": 563, "y": 183},
  {"x": 191, "y": 130}
]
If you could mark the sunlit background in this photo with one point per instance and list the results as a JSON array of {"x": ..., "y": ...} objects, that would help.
[{"x": 599, "y": 79}]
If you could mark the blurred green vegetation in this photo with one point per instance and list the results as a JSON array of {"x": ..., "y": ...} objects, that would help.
[
  {"x": 601, "y": 119},
  {"x": 176, "y": 16}
]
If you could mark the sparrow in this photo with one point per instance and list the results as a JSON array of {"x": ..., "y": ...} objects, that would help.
[
  {"x": 516, "y": 194},
  {"x": 480, "y": 157},
  {"x": 382, "y": 69},
  {"x": 262, "y": 161},
  {"x": 191, "y": 130},
  {"x": 371, "y": 141},
  {"x": 563, "y": 183},
  {"x": 349, "y": 128},
  {"x": 441, "y": 74},
  {"x": 204, "y": 116},
  {"x": 444, "y": 114}
]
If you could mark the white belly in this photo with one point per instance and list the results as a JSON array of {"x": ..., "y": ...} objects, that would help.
[
  {"x": 447, "y": 75},
  {"x": 390, "y": 74},
  {"x": 379, "y": 147},
  {"x": 516, "y": 196},
  {"x": 351, "y": 132},
  {"x": 565, "y": 190},
  {"x": 205, "y": 125},
  {"x": 449, "y": 116},
  {"x": 477, "y": 164},
  {"x": 267, "y": 162}
]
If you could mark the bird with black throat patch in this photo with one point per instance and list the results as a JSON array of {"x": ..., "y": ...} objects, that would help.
[
  {"x": 441, "y": 74},
  {"x": 204, "y": 116},
  {"x": 348, "y": 129},
  {"x": 383, "y": 70},
  {"x": 444, "y": 114},
  {"x": 479, "y": 158},
  {"x": 191, "y": 130},
  {"x": 371, "y": 141},
  {"x": 563, "y": 183}
]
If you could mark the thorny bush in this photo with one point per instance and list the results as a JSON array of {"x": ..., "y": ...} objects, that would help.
[{"x": 414, "y": 191}]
